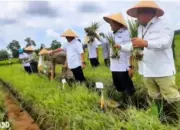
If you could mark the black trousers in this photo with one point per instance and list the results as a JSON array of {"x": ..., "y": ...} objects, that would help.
[
  {"x": 27, "y": 69},
  {"x": 107, "y": 62},
  {"x": 34, "y": 66},
  {"x": 94, "y": 62},
  {"x": 78, "y": 74},
  {"x": 123, "y": 82}
]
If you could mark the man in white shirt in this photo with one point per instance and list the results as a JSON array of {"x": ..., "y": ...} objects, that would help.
[
  {"x": 105, "y": 50},
  {"x": 157, "y": 65},
  {"x": 93, "y": 53},
  {"x": 24, "y": 57},
  {"x": 75, "y": 55},
  {"x": 120, "y": 66}
]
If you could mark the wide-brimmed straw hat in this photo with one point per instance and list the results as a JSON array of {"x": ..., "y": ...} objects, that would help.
[
  {"x": 29, "y": 48},
  {"x": 115, "y": 17},
  {"x": 43, "y": 52},
  {"x": 69, "y": 33},
  {"x": 133, "y": 12}
]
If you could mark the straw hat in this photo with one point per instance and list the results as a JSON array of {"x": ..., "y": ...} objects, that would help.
[
  {"x": 29, "y": 48},
  {"x": 69, "y": 33},
  {"x": 145, "y": 4},
  {"x": 44, "y": 52},
  {"x": 115, "y": 17}
]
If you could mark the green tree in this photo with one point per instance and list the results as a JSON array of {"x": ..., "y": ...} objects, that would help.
[
  {"x": 14, "y": 46},
  {"x": 30, "y": 42},
  {"x": 55, "y": 44},
  {"x": 3, "y": 54}
]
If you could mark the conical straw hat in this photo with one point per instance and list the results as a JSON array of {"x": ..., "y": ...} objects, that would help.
[
  {"x": 44, "y": 52},
  {"x": 29, "y": 48},
  {"x": 115, "y": 17},
  {"x": 69, "y": 33},
  {"x": 133, "y": 12}
]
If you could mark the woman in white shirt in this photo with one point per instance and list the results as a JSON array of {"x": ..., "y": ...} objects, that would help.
[{"x": 120, "y": 66}]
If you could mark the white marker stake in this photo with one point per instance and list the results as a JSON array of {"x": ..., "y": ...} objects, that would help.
[
  {"x": 100, "y": 85},
  {"x": 63, "y": 82}
]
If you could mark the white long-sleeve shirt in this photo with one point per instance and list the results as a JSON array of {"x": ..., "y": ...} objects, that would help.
[
  {"x": 92, "y": 49},
  {"x": 121, "y": 64},
  {"x": 158, "y": 56}
]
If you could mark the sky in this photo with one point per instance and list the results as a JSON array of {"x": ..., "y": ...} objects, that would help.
[{"x": 44, "y": 21}]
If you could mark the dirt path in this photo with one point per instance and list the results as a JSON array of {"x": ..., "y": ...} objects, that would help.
[{"x": 17, "y": 116}]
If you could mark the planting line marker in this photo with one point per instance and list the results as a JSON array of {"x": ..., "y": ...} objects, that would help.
[
  {"x": 99, "y": 85},
  {"x": 63, "y": 82}
]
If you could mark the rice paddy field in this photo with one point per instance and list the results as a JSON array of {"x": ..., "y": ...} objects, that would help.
[{"x": 78, "y": 107}]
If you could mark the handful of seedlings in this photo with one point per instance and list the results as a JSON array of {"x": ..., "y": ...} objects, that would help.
[
  {"x": 133, "y": 28},
  {"x": 115, "y": 51},
  {"x": 91, "y": 31}
]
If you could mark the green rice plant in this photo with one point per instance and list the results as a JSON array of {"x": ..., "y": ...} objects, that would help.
[
  {"x": 133, "y": 29},
  {"x": 115, "y": 51},
  {"x": 91, "y": 31}
]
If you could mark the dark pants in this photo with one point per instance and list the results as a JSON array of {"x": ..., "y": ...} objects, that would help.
[
  {"x": 123, "y": 82},
  {"x": 27, "y": 69},
  {"x": 94, "y": 62},
  {"x": 78, "y": 74},
  {"x": 34, "y": 66},
  {"x": 107, "y": 62}
]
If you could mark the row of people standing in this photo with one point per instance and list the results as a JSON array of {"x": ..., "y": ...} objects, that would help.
[
  {"x": 157, "y": 65},
  {"x": 29, "y": 59}
]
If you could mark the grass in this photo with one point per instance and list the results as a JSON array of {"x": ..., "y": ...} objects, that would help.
[
  {"x": 78, "y": 108},
  {"x": 9, "y": 61}
]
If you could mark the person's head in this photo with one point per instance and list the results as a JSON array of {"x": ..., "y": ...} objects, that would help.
[
  {"x": 69, "y": 39},
  {"x": 116, "y": 21},
  {"x": 115, "y": 26},
  {"x": 145, "y": 15}
]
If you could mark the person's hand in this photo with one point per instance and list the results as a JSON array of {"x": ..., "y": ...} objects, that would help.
[
  {"x": 117, "y": 46},
  {"x": 139, "y": 43},
  {"x": 131, "y": 72},
  {"x": 65, "y": 65},
  {"x": 83, "y": 65},
  {"x": 50, "y": 52}
]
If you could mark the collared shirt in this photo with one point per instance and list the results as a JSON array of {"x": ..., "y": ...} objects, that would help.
[
  {"x": 158, "y": 57},
  {"x": 74, "y": 50},
  {"x": 105, "y": 48},
  {"x": 121, "y": 64},
  {"x": 24, "y": 57},
  {"x": 92, "y": 49}
]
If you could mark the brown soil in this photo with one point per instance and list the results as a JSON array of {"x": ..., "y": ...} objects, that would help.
[{"x": 19, "y": 118}]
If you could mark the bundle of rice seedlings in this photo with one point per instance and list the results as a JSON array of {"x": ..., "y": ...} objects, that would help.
[
  {"x": 91, "y": 31},
  {"x": 133, "y": 28},
  {"x": 115, "y": 51}
]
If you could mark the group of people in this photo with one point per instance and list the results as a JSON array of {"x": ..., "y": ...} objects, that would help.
[
  {"x": 157, "y": 65},
  {"x": 29, "y": 59}
]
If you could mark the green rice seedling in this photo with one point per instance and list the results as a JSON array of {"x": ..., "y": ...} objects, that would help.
[
  {"x": 115, "y": 51},
  {"x": 133, "y": 29},
  {"x": 91, "y": 31}
]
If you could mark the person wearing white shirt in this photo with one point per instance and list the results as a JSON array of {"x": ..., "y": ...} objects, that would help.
[
  {"x": 93, "y": 52},
  {"x": 105, "y": 49},
  {"x": 75, "y": 55},
  {"x": 157, "y": 65},
  {"x": 24, "y": 57},
  {"x": 120, "y": 66}
]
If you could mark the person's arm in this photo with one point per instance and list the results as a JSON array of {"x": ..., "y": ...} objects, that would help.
[{"x": 56, "y": 50}]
